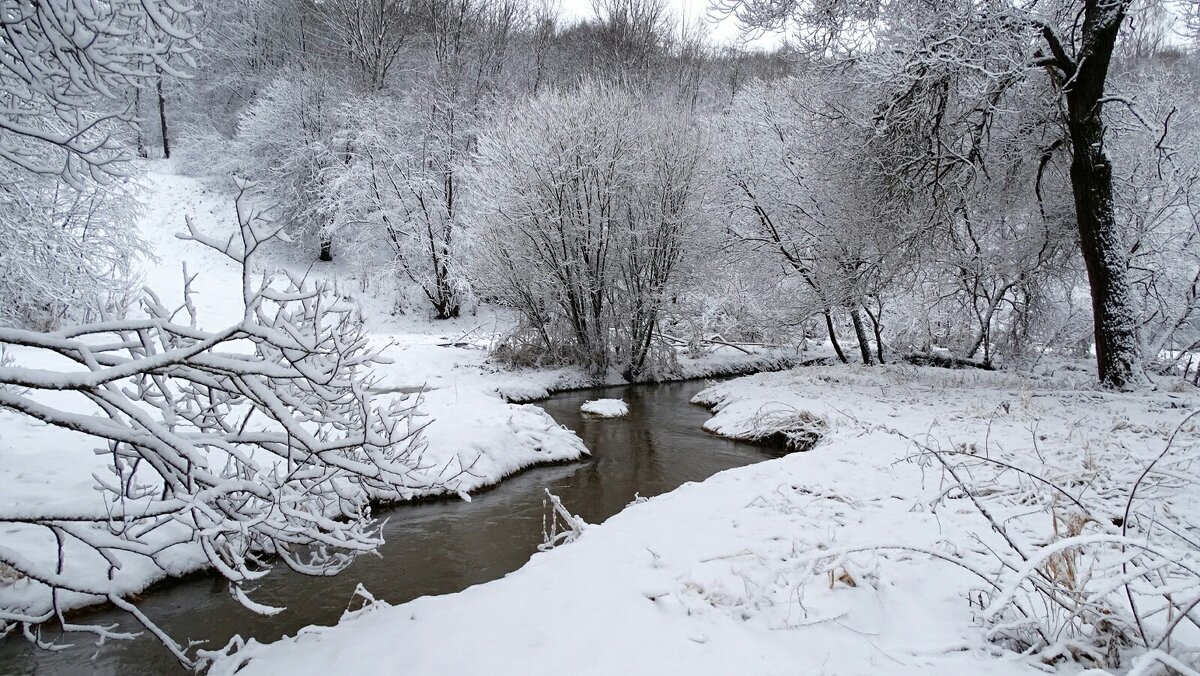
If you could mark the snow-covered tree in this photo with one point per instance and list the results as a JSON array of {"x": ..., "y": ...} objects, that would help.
[
  {"x": 370, "y": 35},
  {"x": 66, "y": 65},
  {"x": 993, "y": 46},
  {"x": 587, "y": 202},
  {"x": 66, "y": 253},
  {"x": 67, "y": 70},
  {"x": 797, "y": 186},
  {"x": 292, "y": 143}
]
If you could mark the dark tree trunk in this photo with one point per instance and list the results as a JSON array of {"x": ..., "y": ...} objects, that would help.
[
  {"x": 162, "y": 114},
  {"x": 1091, "y": 182},
  {"x": 326, "y": 248},
  {"x": 446, "y": 310},
  {"x": 837, "y": 347},
  {"x": 877, "y": 329},
  {"x": 141, "y": 132},
  {"x": 860, "y": 332}
]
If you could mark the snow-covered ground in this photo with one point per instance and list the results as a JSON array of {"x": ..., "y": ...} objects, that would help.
[
  {"x": 858, "y": 556},
  {"x": 853, "y": 558},
  {"x": 475, "y": 436}
]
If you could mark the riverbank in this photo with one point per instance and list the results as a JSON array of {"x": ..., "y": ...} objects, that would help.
[
  {"x": 860, "y": 556},
  {"x": 477, "y": 431}
]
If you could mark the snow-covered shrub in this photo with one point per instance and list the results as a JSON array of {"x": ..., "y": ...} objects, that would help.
[
  {"x": 65, "y": 69},
  {"x": 69, "y": 70},
  {"x": 587, "y": 203},
  {"x": 1118, "y": 576}
]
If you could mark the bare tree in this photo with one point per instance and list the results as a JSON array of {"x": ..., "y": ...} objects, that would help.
[
  {"x": 796, "y": 184},
  {"x": 371, "y": 34},
  {"x": 468, "y": 50}
]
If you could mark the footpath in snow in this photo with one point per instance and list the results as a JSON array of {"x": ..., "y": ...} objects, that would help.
[{"x": 855, "y": 557}]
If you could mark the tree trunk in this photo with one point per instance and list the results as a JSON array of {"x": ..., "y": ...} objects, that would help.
[
  {"x": 326, "y": 248},
  {"x": 141, "y": 132},
  {"x": 1091, "y": 183},
  {"x": 837, "y": 347},
  {"x": 877, "y": 329},
  {"x": 162, "y": 114},
  {"x": 860, "y": 331}
]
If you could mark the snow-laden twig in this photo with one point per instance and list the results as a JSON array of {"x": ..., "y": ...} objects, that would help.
[
  {"x": 572, "y": 526},
  {"x": 257, "y": 442},
  {"x": 1099, "y": 582}
]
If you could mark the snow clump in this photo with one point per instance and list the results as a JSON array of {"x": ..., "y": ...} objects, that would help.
[{"x": 605, "y": 408}]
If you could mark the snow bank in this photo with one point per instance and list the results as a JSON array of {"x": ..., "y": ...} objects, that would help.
[
  {"x": 475, "y": 434},
  {"x": 713, "y": 578},
  {"x": 530, "y": 385},
  {"x": 605, "y": 408},
  {"x": 819, "y": 562}
]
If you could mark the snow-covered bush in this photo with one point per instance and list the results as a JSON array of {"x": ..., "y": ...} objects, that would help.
[
  {"x": 255, "y": 443},
  {"x": 587, "y": 202},
  {"x": 66, "y": 254},
  {"x": 398, "y": 199},
  {"x": 65, "y": 70},
  {"x": 1117, "y": 579}
]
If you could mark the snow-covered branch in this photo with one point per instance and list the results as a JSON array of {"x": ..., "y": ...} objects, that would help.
[{"x": 256, "y": 443}]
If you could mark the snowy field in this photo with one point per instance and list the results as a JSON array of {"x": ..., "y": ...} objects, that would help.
[
  {"x": 474, "y": 436},
  {"x": 858, "y": 557}
]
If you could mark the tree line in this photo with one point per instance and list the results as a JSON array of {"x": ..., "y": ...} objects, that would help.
[{"x": 983, "y": 179}]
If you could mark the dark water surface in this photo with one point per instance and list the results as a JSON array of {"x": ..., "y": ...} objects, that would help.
[{"x": 435, "y": 547}]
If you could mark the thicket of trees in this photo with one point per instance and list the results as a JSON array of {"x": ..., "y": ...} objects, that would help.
[
  {"x": 989, "y": 179},
  {"x": 588, "y": 202},
  {"x": 70, "y": 71}
]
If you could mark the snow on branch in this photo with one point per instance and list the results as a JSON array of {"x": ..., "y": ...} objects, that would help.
[
  {"x": 257, "y": 443},
  {"x": 65, "y": 66}
]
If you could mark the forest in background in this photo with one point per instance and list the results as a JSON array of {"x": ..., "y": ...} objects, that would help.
[{"x": 891, "y": 182}]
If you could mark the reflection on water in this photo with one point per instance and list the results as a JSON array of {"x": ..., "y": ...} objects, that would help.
[{"x": 432, "y": 548}]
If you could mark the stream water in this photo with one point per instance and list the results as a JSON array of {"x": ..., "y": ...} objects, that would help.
[{"x": 437, "y": 547}]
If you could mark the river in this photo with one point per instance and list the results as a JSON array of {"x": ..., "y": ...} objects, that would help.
[{"x": 435, "y": 547}]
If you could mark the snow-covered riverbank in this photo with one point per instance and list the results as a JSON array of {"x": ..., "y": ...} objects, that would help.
[
  {"x": 863, "y": 555},
  {"x": 858, "y": 557},
  {"x": 475, "y": 435}
]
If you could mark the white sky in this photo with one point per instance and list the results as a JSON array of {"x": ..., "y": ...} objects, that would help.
[{"x": 724, "y": 32}]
